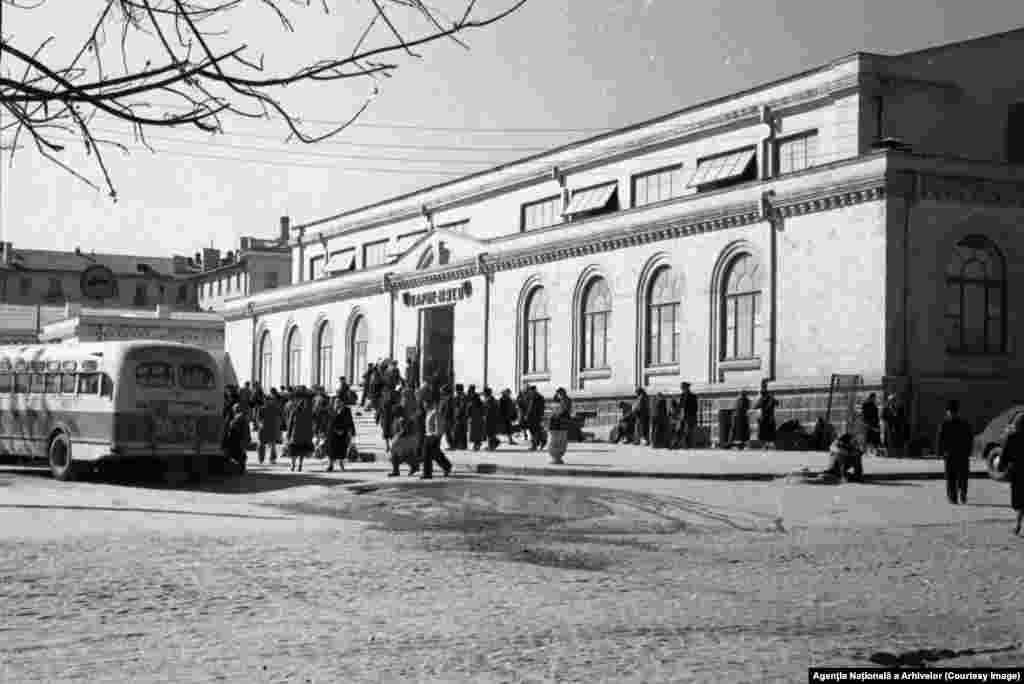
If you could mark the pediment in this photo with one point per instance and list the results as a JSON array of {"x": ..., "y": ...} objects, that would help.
[{"x": 437, "y": 249}]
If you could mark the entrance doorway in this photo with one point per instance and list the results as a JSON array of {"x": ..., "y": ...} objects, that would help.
[{"x": 437, "y": 342}]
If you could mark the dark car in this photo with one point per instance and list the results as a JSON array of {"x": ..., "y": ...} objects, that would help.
[{"x": 988, "y": 444}]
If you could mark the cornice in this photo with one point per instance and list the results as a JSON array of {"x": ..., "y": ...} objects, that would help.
[
  {"x": 613, "y": 151},
  {"x": 830, "y": 197}
]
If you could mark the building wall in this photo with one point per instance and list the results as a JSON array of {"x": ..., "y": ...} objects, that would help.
[{"x": 71, "y": 290}]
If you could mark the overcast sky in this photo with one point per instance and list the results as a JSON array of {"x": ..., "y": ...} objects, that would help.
[{"x": 568, "y": 67}]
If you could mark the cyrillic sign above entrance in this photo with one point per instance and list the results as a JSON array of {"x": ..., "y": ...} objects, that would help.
[{"x": 446, "y": 295}]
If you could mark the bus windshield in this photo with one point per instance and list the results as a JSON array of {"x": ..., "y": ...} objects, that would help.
[
  {"x": 154, "y": 374},
  {"x": 194, "y": 376}
]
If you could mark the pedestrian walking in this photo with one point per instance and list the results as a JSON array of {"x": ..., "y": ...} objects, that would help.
[
  {"x": 955, "y": 441},
  {"x": 340, "y": 433},
  {"x": 872, "y": 425},
  {"x": 236, "y": 437},
  {"x": 1013, "y": 451},
  {"x": 740, "y": 433},
  {"x": 642, "y": 418},
  {"x": 477, "y": 425},
  {"x": 300, "y": 430},
  {"x": 507, "y": 414},
  {"x": 766, "y": 404},
  {"x": 270, "y": 426},
  {"x": 558, "y": 426},
  {"x": 661, "y": 426},
  {"x": 385, "y": 415},
  {"x": 433, "y": 429}
]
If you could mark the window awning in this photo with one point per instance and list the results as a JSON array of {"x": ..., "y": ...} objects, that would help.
[
  {"x": 342, "y": 261},
  {"x": 592, "y": 199},
  {"x": 722, "y": 168}
]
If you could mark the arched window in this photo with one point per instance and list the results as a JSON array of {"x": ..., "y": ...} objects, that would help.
[
  {"x": 324, "y": 355},
  {"x": 741, "y": 309},
  {"x": 266, "y": 357},
  {"x": 663, "y": 319},
  {"x": 293, "y": 358},
  {"x": 357, "y": 350},
  {"x": 976, "y": 297},
  {"x": 597, "y": 310},
  {"x": 537, "y": 329}
]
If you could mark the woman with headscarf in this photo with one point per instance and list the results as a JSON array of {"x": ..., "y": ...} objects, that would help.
[
  {"x": 340, "y": 432},
  {"x": 300, "y": 430}
]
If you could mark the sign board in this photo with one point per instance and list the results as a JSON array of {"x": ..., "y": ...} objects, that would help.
[
  {"x": 98, "y": 282},
  {"x": 447, "y": 295}
]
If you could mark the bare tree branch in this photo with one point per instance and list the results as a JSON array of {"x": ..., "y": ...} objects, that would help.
[{"x": 175, "y": 70}]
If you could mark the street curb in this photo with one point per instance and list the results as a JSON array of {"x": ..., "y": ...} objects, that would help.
[{"x": 554, "y": 471}]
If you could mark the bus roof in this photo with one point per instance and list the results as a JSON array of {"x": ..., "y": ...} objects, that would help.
[{"x": 78, "y": 350}]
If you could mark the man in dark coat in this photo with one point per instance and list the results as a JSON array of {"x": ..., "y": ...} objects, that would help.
[
  {"x": 766, "y": 421},
  {"x": 460, "y": 420},
  {"x": 339, "y": 435},
  {"x": 300, "y": 429},
  {"x": 740, "y": 421},
  {"x": 687, "y": 410},
  {"x": 236, "y": 437},
  {"x": 642, "y": 418},
  {"x": 507, "y": 410},
  {"x": 955, "y": 442},
  {"x": 660, "y": 425},
  {"x": 475, "y": 411},
  {"x": 492, "y": 419},
  {"x": 535, "y": 417},
  {"x": 271, "y": 420}
]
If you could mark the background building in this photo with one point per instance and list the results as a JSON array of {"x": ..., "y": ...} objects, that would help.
[
  {"x": 859, "y": 218},
  {"x": 257, "y": 265}
]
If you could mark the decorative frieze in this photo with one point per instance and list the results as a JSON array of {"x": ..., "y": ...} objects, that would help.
[
  {"x": 829, "y": 198},
  {"x": 969, "y": 190}
]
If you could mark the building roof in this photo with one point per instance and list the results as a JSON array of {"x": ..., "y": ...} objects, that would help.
[{"x": 120, "y": 264}]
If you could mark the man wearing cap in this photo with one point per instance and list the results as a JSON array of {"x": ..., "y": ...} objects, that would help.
[{"x": 954, "y": 445}]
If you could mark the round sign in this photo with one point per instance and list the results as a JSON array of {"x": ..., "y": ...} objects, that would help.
[{"x": 98, "y": 282}]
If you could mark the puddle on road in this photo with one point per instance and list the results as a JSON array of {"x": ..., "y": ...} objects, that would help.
[{"x": 570, "y": 527}]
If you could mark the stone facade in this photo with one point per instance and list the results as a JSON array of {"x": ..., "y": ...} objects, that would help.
[{"x": 849, "y": 246}]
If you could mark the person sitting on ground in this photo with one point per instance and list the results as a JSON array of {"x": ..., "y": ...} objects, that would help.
[{"x": 846, "y": 459}]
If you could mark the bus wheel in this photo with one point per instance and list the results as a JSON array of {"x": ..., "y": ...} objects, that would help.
[{"x": 61, "y": 465}]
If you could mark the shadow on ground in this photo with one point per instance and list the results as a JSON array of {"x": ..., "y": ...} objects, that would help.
[{"x": 582, "y": 528}]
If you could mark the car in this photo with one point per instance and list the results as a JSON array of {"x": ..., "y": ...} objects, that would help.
[{"x": 988, "y": 444}]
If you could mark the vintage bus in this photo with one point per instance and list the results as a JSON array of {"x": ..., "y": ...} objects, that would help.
[{"x": 78, "y": 405}]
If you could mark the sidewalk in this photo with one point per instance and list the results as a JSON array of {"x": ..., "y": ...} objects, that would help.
[{"x": 595, "y": 459}]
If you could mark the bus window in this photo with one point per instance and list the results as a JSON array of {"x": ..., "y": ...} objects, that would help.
[
  {"x": 88, "y": 383},
  {"x": 106, "y": 385},
  {"x": 6, "y": 382},
  {"x": 52, "y": 383},
  {"x": 154, "y": 375},
  {"x": 36, "y": 384},
  {"x": 21, "y": 383},
  {"x": 195, "y": 377},
  {"x": 67, "y": 383}
]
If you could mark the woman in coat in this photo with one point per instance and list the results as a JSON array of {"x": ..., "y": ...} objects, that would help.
[
  {"x": 270, "y": 425},
  {"x": 558, "y": 426},
  {"x": 477, "y": 418},
  {"x": 339, "y": 435},
  {"x": 740, "y": 423},
  {"x": 1013, "y": 449},
  {"x": 300, "y": 431}
]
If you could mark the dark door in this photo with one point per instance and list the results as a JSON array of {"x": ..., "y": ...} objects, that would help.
[{"x": 437, "y": 338}]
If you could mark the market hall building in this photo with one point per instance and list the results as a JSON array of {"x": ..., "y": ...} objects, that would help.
[{"x": 860, "y": 218}]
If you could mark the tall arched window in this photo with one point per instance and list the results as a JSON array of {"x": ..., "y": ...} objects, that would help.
[
  {"x": 663, "y": 319},
  {"x": 976, "y": 297},
  {"x": 293, "y": 358},
  {"x": 324, "y": 355},
  {"x": 266, "y": 356},
  {"x": 357, "y": 350},
  {"x": 597, "y": 310},
  {"x": 741, "y": 308},
  {"x": 537, "y": 329}
]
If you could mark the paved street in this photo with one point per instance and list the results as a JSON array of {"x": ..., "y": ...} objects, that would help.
[{"x": 319, "y": 578}]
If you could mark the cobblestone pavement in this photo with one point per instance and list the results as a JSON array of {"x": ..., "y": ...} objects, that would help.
[{"x": 303, "y": 579}]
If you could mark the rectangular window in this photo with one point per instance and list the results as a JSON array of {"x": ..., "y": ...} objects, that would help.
[
  {"x": 541, "y": 214},
  {"x": 599, "y": 199},
  {"x": 658, "y": 185},
  {"x": 375, "y": 253},
  {"x": 663, "y": 338},
  {"x": 154, "y": 374},
  {"x": 342, "y": 261},
  {"x": 6, "y": 383},
  {"x": 26, "y": 287},
  {"x": 724, "y": 170},
  {"x": 195, "y": 377},
  {"x": 183, "y": 294},
  {"x": 67, "y": 383},
  {"x": 595, "y": 348},
  {"x": 316, "y": 267},
  {"x": 796, "y": 152},
  {"x": 36, "y": 383},
  {"x": 21, "y": 383},
  {"x": 1015, "y": 134},
  {"x": 537, "y": 346},
  {"x": 271, "y": 280},
  {"x": 56, "y": 289},
  {"x": 140, "y": 295},
  {"x": 52, "y": 383}
]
